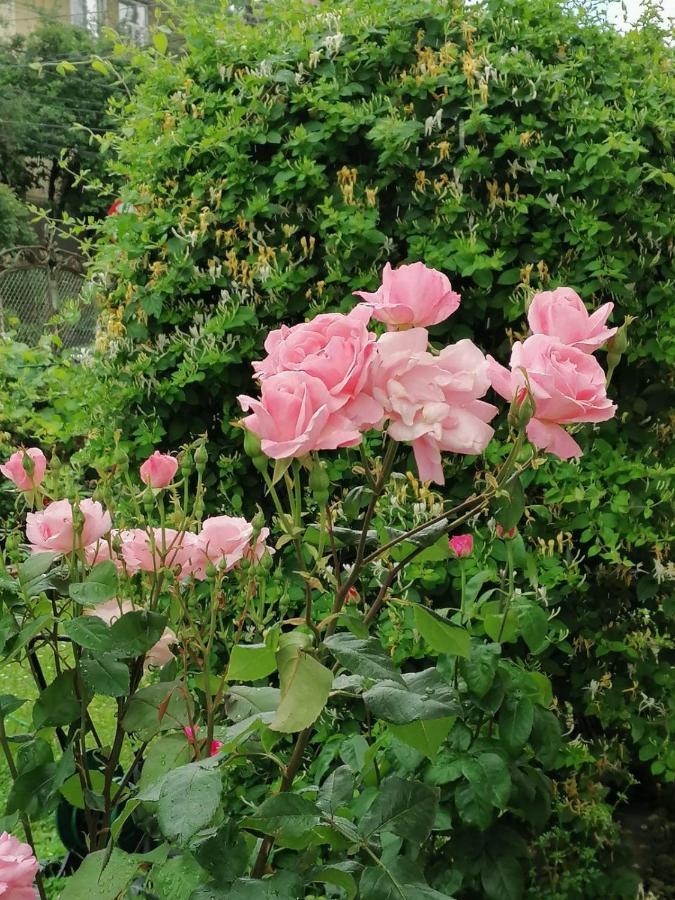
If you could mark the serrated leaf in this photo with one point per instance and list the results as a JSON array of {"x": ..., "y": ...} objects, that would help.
[
  {"x": 439, "y": 634},
  {"x": 103, "y": 674},
  {"x": 102, "y": 877},
  {"x": 188, "y": 801},
  {"x": 362, "y": 657},
  {"x": 406, "y": 808},
  {"x": 101, "y": 585},
  {"x": 289, "y": 818},
  {"x": 305, "y": 685},
  {"x": 426, "y": 737},
  {"x": 249, "y": 662}
]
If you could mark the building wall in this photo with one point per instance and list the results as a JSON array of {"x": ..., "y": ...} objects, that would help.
[{"x": 23, "y": 16}]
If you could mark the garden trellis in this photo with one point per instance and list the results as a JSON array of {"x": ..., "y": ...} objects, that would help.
[{"x": 41, "y": 291}]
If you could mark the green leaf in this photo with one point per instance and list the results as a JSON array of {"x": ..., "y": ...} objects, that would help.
[
  {"x": 160, "y": 42},
  {"x": 134, "y": 633},
  {"x": 170, "y": 751},
  {"x": 509, "y": 510},
  {"x": 243, "y": 702},
  {"x": 101, "y": 585},
  {"x": 516, "y": 718},
  {"x": 71, "y": 789},
  {"x": 502, "y": 877},
  {"x": 335, "y": 876},
  {"x": 423, "y": 695},
  {"x": 489, "y": 776},
  {"x": 158, "y": 707},
  {"x": 501, "y": 625},
  {"x": 177, "y": 878},
  {"x": 480, "y": 669},
  {"x": 406, "y": 808},
  {"x": 9, "y": 704},
  {"x": 249, "y": 662},
  {"x": 439, "y": 634},
  {"x": 98, "y": 65},
  {"x": 89, "y": 632},
  {"x": 425, "y": 737},
  {"x": 533, "y": 625},
  {"x": 336, "y": 791},
  {"x": 58, "y": 704},
  {"x": 100, "y": 877},
  {"x": 472, "y": 807},
  {"x": 223, "y": 853},
  {"x": 188, "y": 800},
  {"x": 289, "y": 818},
  {"x": 546, "y": 736},
  {"x": 401, "y": 880},
  {"x": 36, "y": 565},
  {"x": 282, "y": 886},
  {"x": 305, "y": 685},
  {"x": 105, "y": 675},
  {"x": 362, "y": 657},
  {"x": 17, "y": 643}
]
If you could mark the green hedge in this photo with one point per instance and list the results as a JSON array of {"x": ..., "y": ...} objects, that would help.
[{"x": 275, "y": 168}]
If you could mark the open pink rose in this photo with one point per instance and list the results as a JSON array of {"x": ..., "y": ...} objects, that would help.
[
  {"x": 412, "y": 295},
  {"x": 161, "y": 548},
  {"x": 15, "y": 469},
  {"x": 461, "y": 545},
  {"x": 567, "y": 386},
  {"x": 561, "y": 314},
  {"x": 51, "y": 529},
  {"x": 225, "y": 540},
  {"x": 295, "y": 416},
  {"x": 159, "y": 470},
  {"x": 18, "y": 868},
  {"x": 161, "y": 653},
  {"x": 337, "y": 349},
  {"x": 433, "y": 401}
]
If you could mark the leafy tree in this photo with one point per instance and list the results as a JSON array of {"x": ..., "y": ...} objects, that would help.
[
  {"x": 15, "y": 227},
  {"x": 54, "y": 113}
]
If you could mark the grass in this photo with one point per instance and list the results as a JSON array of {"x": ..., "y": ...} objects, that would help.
[{"x": 16, "y": 679}]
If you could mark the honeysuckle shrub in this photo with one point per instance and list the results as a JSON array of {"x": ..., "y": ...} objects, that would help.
[
  {"x": 297, "y": 711},
  {"x": 274, "y": 168}
]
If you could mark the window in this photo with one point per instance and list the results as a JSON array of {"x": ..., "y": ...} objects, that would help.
[
  {"x": 133, "y": 20},
  {"x": 89, "y": 14}
]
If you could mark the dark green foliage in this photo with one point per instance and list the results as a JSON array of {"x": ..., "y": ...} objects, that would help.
[{"x": 15, "y": 227}]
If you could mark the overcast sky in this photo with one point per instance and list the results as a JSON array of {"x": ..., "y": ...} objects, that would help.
[{"x": 616, "y": 14}]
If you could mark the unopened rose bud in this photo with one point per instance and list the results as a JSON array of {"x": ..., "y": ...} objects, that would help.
[
  {"x": 266, "y": 562},
  {"x": 319, "y": 484},
  {"x": 506, "y": 535},
  {"x": 461, "y": 545},
  {"x": 617, "y": 346},
  {"x": 201, "y": 458},
  {"x": 521, "y": 410},
  {"x": 253, "y": 450}
]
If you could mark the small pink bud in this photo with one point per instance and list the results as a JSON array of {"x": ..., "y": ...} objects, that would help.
[
  {"x": 506, "y": 535},
  {"x": 215, "y": 747},
  {"x": 158, "y": 470},
  {"x": 191, "y": 733},
  {"x": 26, "y": 468},
  {"x": 461, "y": 545},
  {"x": 352, "y": 595}
]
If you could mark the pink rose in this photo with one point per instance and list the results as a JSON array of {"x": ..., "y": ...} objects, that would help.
[
  {"x": 561, "y": 314},
  {"x": 567, "y": 386},
  {"x": 295, "y": 415},
  {"x": 433, "y": 401},
  {"x": 159, "y": 655},
  {"x": 225, "y": 540},
  {"x": 51, "y": 529},
  {"x": 337, "y": 349},
  {"x": 109, "y": 612},
  {"x": 18, "y": 868},
  {"x": 167, "y": 548},
  {"x": 461, "y": 545},
  {"x": 15, "y": 469},
  {"x": 103, "y": 550},
  {"x": 158, "y": 470},
  {"x": 412, "y": 295}
]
